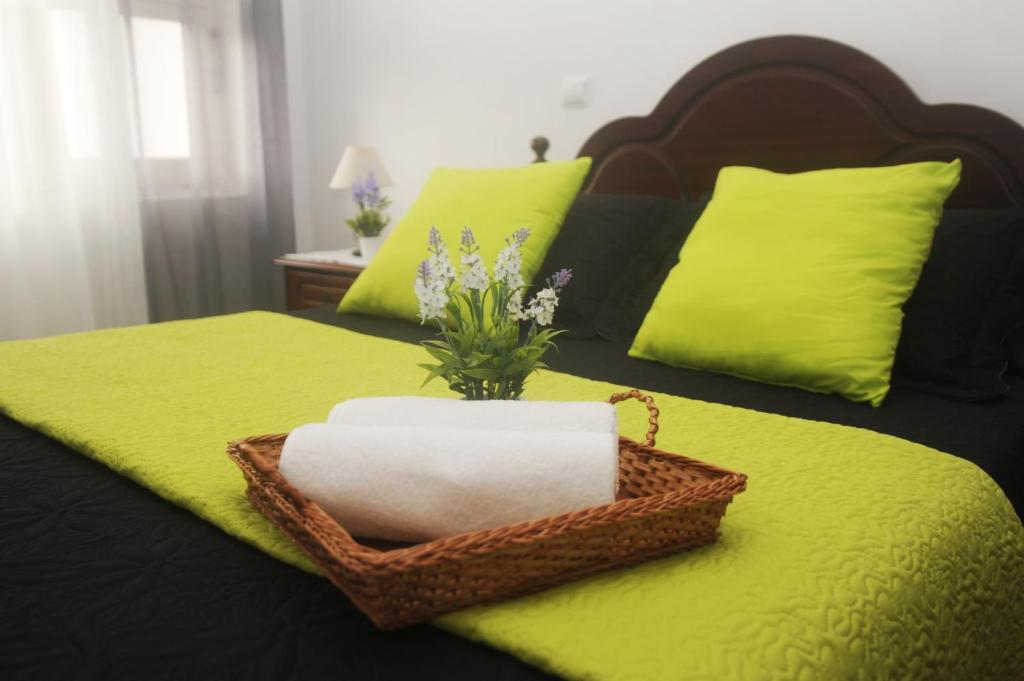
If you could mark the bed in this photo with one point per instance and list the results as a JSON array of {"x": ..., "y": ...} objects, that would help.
[{"x": 101, "y": 578}]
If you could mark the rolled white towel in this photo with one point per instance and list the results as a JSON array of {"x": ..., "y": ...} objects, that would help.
[
  {"x": 509, "y": 415},
  {"x": 414, "y": 484}
]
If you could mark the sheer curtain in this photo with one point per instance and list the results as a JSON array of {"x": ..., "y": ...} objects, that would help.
[
  {"x": 144, "y": 165},
  {"x": 211, "y": 136},
  {"x": 70, "y": 240}
]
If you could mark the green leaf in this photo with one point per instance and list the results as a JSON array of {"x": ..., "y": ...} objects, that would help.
[
  {"x": 440, "y": 354},
  {"x": 525, "y": 364},
  {"x": 456, "y": 312},
  {"x": 435, "y": 372},
  {"x": 482, "y": 374}
]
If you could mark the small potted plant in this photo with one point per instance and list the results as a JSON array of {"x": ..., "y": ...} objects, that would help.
[
  {"x": 370, "y": 221},
  {"x": 490, "y": 339}
]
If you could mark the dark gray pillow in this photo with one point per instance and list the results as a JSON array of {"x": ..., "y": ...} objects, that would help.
[
  {"x": 1015, "y": 346},
  {"x": 964, "y": 308},
  {"x": 601, "y": 233},
  {"x": 639, "y": 279}
]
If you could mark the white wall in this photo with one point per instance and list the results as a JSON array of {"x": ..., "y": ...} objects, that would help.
[
  {"x": 320, "y": 67},
  {"x": 469, "y": 82}
]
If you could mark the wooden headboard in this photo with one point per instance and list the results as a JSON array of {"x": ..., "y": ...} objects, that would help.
[{"x": 794, "y": 103}]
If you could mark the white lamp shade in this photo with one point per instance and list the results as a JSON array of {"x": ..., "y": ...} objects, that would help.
[{"x": 356, "y": 164}]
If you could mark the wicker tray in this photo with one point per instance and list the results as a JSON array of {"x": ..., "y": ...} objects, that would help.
[{"x": 665, "y": 503}]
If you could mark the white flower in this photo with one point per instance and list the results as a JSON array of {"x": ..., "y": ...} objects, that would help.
[
  {"x": 508, "y": 266},
  {"x": 433, "y": 299},
  {"x": 431, "y": 292},
  {"x": 474, "y": 274},
  {"x": 441, "y": 266},
  {"x": 542, "y": 307},
  {"x": 515, "y": 306}
]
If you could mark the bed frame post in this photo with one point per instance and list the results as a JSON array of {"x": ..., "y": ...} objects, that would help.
[{"x": 540, "y": 147}]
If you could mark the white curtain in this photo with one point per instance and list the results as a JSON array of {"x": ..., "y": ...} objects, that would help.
[
  {"x": 212, "y": 142},
  {"x": 70, "y": 239},
  {"x": 143, "y": 161}
]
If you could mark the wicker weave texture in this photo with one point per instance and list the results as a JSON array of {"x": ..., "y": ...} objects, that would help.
[{"x": 665, "y": 503}]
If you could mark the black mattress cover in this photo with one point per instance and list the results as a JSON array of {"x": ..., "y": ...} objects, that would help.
[
  {"x": 102, "y": 579},
  {"x": 990, "y": 434}
]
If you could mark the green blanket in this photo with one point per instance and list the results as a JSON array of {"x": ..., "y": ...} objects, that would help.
[{"x": 852, "y": 555}]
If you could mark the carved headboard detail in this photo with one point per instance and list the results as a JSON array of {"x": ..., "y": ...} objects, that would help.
[{"x": 794, "y": 103}]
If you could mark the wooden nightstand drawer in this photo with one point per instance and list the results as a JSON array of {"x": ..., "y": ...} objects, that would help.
[
  {"x": 316, "y": 284},
  {"x": 315, "y": 289}
]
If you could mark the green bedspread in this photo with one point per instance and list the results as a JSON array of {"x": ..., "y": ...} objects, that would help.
[{"x": 852, "y": 555}]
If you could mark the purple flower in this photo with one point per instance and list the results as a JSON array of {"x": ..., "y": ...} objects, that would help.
[
  {"x": 519, "y": 236},
  {"x": 560, "y": 279},
  {"x": 435, "y": 240},
  {"x": 423, "y": 270},
  {"x": 367, "y": 193},
  {"x": 373, "y": 198},
  {"x": 359, "y": 193},
  {"x": 468, "y": 244}
]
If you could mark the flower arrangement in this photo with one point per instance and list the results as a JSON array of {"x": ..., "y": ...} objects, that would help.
[
  {"x": 370, "y": 220},
  {"x": 490, "y": 338}
]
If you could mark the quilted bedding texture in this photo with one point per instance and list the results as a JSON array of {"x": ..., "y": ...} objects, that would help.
[{"x": 851, "y": 555}]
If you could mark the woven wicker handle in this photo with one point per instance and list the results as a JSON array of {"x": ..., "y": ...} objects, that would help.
[
  {"x": 269, "y": 470},
  {"x": 653, "y": 412}
]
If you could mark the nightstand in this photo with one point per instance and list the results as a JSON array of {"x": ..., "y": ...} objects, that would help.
[{"x": 319, "y": 278}]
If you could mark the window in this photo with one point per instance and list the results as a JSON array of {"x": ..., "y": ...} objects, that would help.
[
  {"x": 185, "y": 73},
  {"x": 159, "y": 53},
  {"x": 160, "y": 72}
]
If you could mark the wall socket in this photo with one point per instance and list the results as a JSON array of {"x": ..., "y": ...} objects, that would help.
[{"x": 575, "y": 92}]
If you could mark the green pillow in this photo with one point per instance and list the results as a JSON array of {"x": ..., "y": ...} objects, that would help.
[
  {"x": 494, "y": 203},
  {"x": 799, "y": 279}
]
